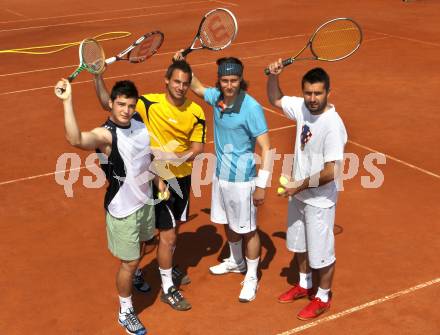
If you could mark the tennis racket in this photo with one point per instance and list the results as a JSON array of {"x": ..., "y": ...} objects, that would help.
[
  {"x": 91, "y": 57},
  {"x": 141, "y": 49},
  {"x": 332, "y": 41},
  {"x": 217, "y": 30}
]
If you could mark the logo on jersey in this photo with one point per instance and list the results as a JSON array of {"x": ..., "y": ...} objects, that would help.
[{"x": 306, "y": 135}]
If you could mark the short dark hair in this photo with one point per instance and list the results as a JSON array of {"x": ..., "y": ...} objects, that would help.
[
  {"x": 317, "y": 75},
  {"x": 181, "y": 65},
  {"x": 243, "y": 83},
  {"x": 125, "y": 88}
]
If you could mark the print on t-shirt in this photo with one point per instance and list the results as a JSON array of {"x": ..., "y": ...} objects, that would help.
[{"x": 306, "y": 135}]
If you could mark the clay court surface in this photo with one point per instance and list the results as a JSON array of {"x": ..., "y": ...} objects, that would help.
[{"x": 57, "y": 276}]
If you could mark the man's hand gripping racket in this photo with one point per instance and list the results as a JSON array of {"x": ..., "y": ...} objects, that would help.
[
  {"x": 332, "y": 41},
  {"x": 91, "y": 59}
]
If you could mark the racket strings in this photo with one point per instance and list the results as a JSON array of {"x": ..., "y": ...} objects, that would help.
[
  {"x": 336, "y": 40},
  {"x": 147, "y": 48},
  {"x": 218, "y": 30},
  {"x": 92, "y": 56}
]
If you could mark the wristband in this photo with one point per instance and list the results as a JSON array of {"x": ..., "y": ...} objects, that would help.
[{"x": 262, "y": 178}]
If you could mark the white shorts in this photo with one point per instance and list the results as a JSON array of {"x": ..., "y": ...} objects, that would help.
[
  {"x": 310, "y": 229},
  {"x": 232, "y": 203}
]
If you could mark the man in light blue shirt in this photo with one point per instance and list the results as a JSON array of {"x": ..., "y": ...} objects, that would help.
[{"x": 237, "y": 190}]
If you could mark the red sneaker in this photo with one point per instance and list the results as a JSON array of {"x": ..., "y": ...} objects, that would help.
[
  {"x": 296, "y": 292},
  {"x": 315, "y": 308}
]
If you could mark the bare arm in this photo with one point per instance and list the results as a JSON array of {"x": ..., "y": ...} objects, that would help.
[
  {"x": 196, "y": 86},
  {"x": 273, "y": 86},
  {"x": 102, "y": 92},
  {"x": 259, "y": 194},
  {"x": 184, "y": 156},
  {"x": 326, "y": 175},
  {"x": 97, "y": 138}
]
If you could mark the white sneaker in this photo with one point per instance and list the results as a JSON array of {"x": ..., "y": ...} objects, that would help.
[
  {"x": 249, "y": 290},
  {"x": 228, "y": 265}
]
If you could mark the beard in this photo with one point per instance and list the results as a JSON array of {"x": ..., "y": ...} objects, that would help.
[{"x": 316, "y": 108}]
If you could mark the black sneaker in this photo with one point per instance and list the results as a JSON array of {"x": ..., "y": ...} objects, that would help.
[
  {"x": 175, "y": 299},
  {"x": 180, "y": 278},
  {"x": 139, "y": 282},
  {"x": 131, "y": 323}
]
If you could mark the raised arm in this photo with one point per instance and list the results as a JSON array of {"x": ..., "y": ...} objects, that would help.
[
  {"x": 196, "y": 86},
  {"x": 97, "y": 138},
  {"x": 102, "y": 91},
  {"x": 273, "y": 86}
]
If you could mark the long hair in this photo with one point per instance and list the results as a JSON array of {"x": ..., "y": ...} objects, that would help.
[{"x": 243, "y": 83}]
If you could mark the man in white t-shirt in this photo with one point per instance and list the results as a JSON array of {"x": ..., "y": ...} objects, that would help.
[{"x": 312, "y": 191}]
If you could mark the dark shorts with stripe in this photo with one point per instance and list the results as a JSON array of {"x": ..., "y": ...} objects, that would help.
[{"x": 176, "y": 208}]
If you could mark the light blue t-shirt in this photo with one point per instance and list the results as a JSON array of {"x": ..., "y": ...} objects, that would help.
[{"x": 235, "y": 132}]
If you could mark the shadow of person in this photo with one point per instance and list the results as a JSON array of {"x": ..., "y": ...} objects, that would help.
[
  {"x": 191, "y": 248},
  {"x": 291, "y": 272},
  {"x": 268, "y": 252}
]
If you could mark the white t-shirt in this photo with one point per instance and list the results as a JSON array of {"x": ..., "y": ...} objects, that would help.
[{"x": 319, "y": 139}]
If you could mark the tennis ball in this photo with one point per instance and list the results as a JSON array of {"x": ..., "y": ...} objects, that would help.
[
  {"x": 281, "y": 190},
  {"x": 283, "y": 180},
  {"x": 163, "y": 196}
]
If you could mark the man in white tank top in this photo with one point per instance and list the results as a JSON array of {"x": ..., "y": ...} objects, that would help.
[{"x": 125, "y": 144}]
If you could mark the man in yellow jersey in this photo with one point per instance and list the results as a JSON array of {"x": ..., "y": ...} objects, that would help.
[{"x": 177, "y": 127}]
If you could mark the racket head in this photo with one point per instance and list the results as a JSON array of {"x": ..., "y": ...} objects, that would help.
[
  {"x": 336, "y": 39},
  {"x": 145, "y": 47},
  {"x": 218, "y": 29},
  {"x": 92, "y": 56}
]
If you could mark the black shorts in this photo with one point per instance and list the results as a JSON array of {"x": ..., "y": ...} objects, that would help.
[{"x": 176, "y": 208}]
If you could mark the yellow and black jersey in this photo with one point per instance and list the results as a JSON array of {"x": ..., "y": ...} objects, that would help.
[{"x": 172, "y": 128}]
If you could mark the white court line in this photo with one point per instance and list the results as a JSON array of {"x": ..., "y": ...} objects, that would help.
[
  {"x": 265, "y": 108},
  {"x": 226, "y": 3},
  {"x": 101, "y": 20},
  {"x": 157, "y": 55},
  {"x": 105, "y": 11},
  {"x": 133, "y": 74},
  {"x": 406, "y": 38},
  {"x": 40, "y": 176},
  {"x": 14, "y": 12},
  {"x": 172, "y": 53},
  {"x": 432, "y": 174},
  {"x": 83, "y": 167},
  {"x": 412, "y": 166},
  {"x": 361, "y": 307}
]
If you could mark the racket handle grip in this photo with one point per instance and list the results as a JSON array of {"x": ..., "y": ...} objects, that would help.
[
  {"x": 110, "y": 60},
  {"x": 288, "y": 61},
  {"x": 186, "y": 52},
  {"x": 285, "y": 62}
]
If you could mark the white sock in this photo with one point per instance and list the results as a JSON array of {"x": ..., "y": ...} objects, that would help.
[
  {"x": 305, "y": 280},
  {"x": 323, "y": 294},
  {"x": 236, "y": 251},
  {"x": 252, "y": 267},
  {"x": 167, "y": 279},
  {"x": 125, "y": 304}
]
